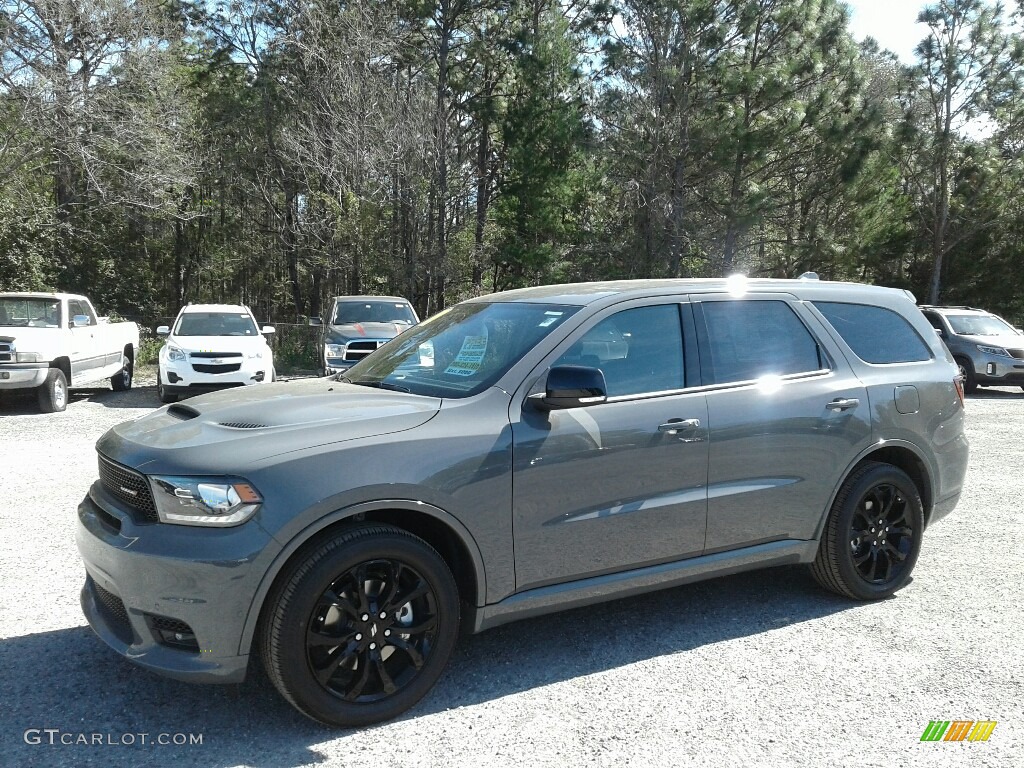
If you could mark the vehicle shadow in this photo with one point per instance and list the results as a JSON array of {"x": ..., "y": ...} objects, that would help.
[
  {"x": 68, "y": 680},
  {"x": 24, "y": 404},
  {"x": 989, "y": 393}
]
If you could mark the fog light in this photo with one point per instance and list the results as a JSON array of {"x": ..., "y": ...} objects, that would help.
[
  {"x": 5, "y": 375},
  {"x": 990, "y": 369},
  {"x": 173, "y": 377},
  {"x": 259, "y": 376}
]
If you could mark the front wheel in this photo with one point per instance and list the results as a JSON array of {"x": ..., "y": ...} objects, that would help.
[
  {"x": 122, "y": 380},
  {"x": 967, "y": 372},
  {"x": 52, "y": 394},
  {"x": 161, "y": 390},
  {"x": 873, "y": 534},
  {"x": 361, "y": 627}
]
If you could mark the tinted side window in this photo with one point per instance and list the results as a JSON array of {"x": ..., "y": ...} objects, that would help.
[
  {"x": 875, "y": 334},
  {"x": 749, "y": 339},
  {"x": 639, "y": 350},
  {"x": 78, "y": 308},
  {"x": 932, "y": 318}
]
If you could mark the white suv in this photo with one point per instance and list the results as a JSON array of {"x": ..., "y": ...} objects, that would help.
[{"x": 213, "y": 346}]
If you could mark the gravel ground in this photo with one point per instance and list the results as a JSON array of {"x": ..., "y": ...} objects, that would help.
[{"x": 755, "y": 669}]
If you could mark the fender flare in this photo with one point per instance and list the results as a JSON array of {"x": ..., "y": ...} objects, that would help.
[{"x": 320, "y": 524}]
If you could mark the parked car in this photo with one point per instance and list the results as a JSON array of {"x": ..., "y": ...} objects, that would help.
[
  {"x": 558, "y": 447},
  {"x": 213, "y": 346},
  {"x": 358, "y": 325},
  {"x": 988, "y": 350},
  {"x": 52, "y": 341}
]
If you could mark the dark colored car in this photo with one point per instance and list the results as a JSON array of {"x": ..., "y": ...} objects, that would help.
[
  {"x": 515, "y": 455},
  {"x": 358, "y": 325}
]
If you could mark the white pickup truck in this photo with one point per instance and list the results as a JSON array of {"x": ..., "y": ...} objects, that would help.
[{"x": 50, "y": 341}]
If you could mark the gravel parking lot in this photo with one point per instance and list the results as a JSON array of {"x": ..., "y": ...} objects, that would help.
[{"x": 756, "y": 669}]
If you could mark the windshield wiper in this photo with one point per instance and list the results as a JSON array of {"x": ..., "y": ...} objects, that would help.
[{"x": 380, "y": 385}]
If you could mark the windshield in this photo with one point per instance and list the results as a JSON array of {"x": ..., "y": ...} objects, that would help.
[
  {"x": 21, "y": 312},
  {"x": 461, "y": 351},
  {"x": 348, "y": 312},
  {"x": 216, "y": 324},
  {"x": 980, "y": 325}
]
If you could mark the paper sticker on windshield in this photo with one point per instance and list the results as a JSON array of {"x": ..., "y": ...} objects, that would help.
[
  {"x": 551, "y": 317},
  {"x": 470, "y": 357}
]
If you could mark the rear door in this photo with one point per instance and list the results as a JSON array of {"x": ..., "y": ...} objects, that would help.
[{"x": 786, "y": 416}]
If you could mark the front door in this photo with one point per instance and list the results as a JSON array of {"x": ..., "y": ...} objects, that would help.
[{"x": 613, "y": 486}]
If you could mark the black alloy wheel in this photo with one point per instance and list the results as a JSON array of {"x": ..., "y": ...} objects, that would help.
[
  {"x": 873, "y": 534},
  {"x": 359, "y": 627}
]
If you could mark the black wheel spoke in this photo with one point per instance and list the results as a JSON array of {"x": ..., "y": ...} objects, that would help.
[
  {"x": 886, "y": 562},
  {"x": 860, "y": 559},
  {"x": 360, "y": 579},
  {"x": 420, "y": 589},
  {"x": 394, "y": 574},
  {"x": 360, "y": 682},
  {"x": 325, "y": 673},
  {"x": 317, "y": 638},
  {"x": 893, "y": 552},
  {"x": 415, "y": 656},
  {"x": 333, "y": 599},
  {"x": 385, "y": 679}
]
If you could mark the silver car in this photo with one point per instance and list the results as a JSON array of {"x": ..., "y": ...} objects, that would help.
[
  {"x": 519, "y": 454},
  {"x": 988, "y": 350}
]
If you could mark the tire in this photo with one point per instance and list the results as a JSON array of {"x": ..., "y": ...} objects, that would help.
[
  {"x": 318, "y": 600},
  {"x": 967, "y": 371},
  {"x": 52, "y": 394},
  {"x": 122, "y": 380},
  {"x": 163, "y": 394},
  {"x": 856, "y": 558}
]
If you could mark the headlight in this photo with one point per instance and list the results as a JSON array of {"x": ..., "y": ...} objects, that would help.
[
  {"x": 174, "y": 354},
  {"x": 998, "y": 351},
  {"x": 334, "y": 350},
  {"x": 215, "y": 501},
  {"x": 28, "y": 357}
]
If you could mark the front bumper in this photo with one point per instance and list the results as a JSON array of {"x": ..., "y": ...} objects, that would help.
[
  {"x": 144, "y": 577},
  {"x": 181, "y": 377},
  {"x": 337, "y": 364},
  {"x": 997, "y": 370},
  {"x": 22, "y": 375}
]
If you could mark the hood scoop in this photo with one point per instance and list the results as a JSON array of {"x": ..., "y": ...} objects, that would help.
[{"x": 182, "y": 412}]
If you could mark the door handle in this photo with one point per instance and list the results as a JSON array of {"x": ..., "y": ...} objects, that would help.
[
  {"x": 843, "y": 404},
  {"x": 675, "y": 425}
]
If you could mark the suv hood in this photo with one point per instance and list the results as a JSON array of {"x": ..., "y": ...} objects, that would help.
[
  {"x": 337, "y": 334},
  {"x": 235, "y": 427},
  {"x": 1006, "y": 341},
  {"x": 216, "y": 343}
]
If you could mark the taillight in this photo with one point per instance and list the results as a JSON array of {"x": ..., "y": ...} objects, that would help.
[{"x": 958, "y": 382}]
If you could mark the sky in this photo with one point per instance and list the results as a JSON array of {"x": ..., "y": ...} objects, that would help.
[{"x": 893, "y": 23}]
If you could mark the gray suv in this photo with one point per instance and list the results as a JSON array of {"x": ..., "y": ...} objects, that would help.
[
  {"x": 988, "y": 350},
  {"x": 519, "y": 454}
]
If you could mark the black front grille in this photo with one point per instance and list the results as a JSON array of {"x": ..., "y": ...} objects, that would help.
[
  {"x": 169, "y": 625},
  {"x": 117, "y": 614},
  {"x": 1017, "y": 353},
  {"x": 202, "y": 368},
  {"x": 6, "y": 352},
  {"x": 357, "y": 350},
  {"x": 212, "y": 355},
  {"x": 128, "y": 486}
]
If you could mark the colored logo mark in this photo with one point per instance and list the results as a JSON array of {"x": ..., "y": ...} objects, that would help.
[{"x": 958, "y": 730}]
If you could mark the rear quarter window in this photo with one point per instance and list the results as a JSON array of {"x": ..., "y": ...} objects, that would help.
[{"x": 875, "y": 334}]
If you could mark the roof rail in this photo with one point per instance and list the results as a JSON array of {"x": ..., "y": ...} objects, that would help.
[{"x": 950, "y": 306}]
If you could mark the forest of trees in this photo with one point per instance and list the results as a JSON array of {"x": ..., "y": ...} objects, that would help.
[{"x": 278, "y": 152}]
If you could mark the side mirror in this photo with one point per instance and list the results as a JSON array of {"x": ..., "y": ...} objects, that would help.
[
  {"x": 267, "y": 329},
  {"x": 572, "y": 386},
  {"x": 79, "y": 321},
  {"x": 163, "y": 330},
  {"x": 316, "y": 321},
  {"x": 1020, "y": 331}
]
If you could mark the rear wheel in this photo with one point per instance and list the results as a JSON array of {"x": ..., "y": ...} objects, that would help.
[
  {"x": 967, "y": 371},
  {"x": 122, "y": 380},
  {"x": 52, "y": 394},
  {"x": 360, "y": 628},
  {"x": 161, "y": 390},
  {"x": 873, "y": 534}
]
